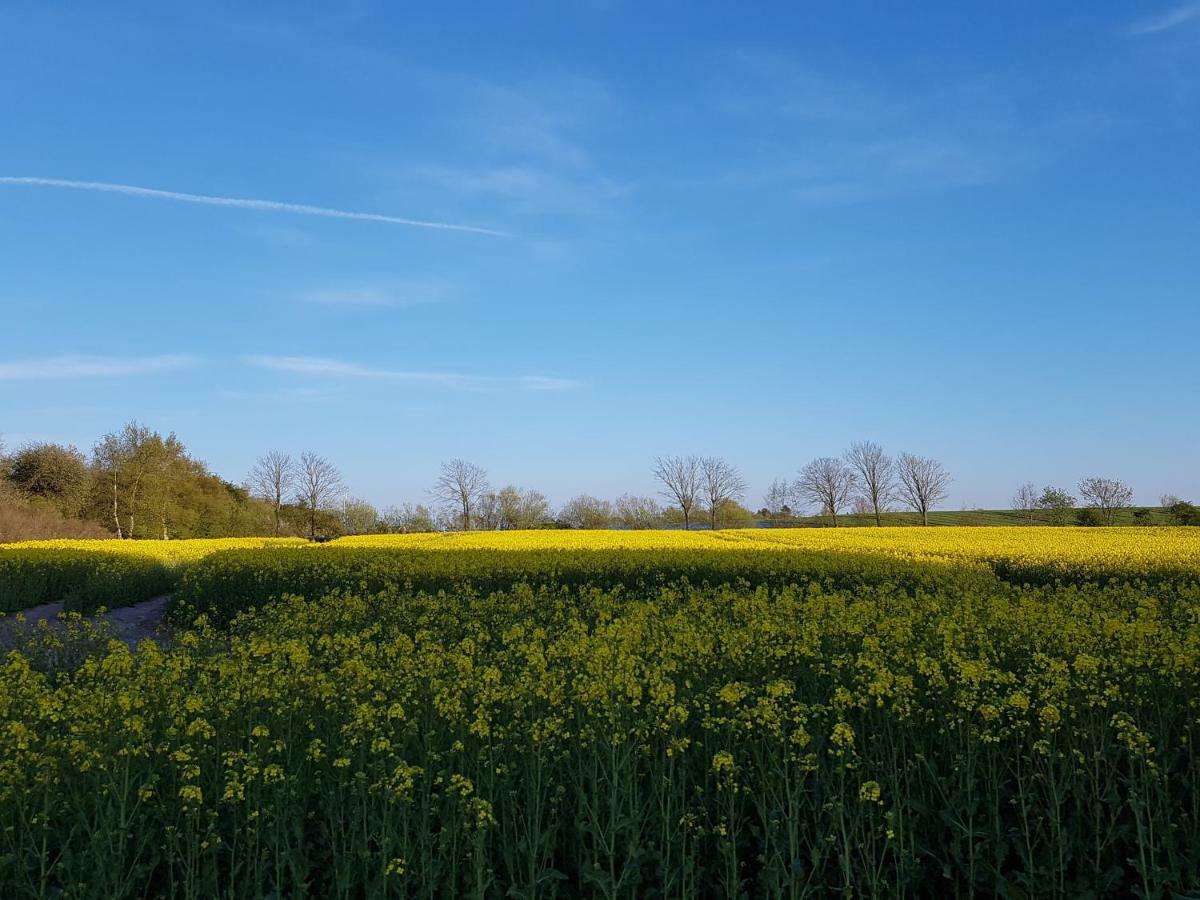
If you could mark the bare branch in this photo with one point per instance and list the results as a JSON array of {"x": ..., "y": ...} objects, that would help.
[
  {"x": 462, "y": 485},
  {"x": 876, "y": 473},
  {"x": 829, "y": 483},
  {"x": 680, "y": 478},
  {"x": 923, "y": 483}
]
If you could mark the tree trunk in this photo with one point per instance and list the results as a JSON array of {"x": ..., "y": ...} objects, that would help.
[
  {"x": 116, "y": 512},
  {"x": 878, "y": 518}
]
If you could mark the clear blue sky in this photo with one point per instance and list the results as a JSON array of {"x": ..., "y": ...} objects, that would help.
[{"x": 965, "y": 230}]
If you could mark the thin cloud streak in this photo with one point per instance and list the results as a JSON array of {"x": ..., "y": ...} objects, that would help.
[
  {"x": 332, "y": 368},
  {"x": 1172, "y": 18},
  {"x": 237, "y": 202},
  {"x": 90, "y": 367}
]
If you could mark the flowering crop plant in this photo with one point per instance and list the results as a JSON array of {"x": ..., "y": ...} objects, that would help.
[{"x": 806, "y": 713}]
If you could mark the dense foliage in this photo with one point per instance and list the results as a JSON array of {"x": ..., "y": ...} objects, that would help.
[
  {"x": 88, "y": 574},
  {"x": 663, "y": 718},
  {"x": 83, "y": 580}
]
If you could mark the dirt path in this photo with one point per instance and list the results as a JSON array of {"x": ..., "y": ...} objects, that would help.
[{"x": 129, "y": 623}]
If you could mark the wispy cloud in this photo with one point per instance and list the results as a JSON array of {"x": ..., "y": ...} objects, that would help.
[
  {"x": 1165, "y": 21},
  {"x": 318, "y": 366},
  {"x": 236, "y": 202},
  {"x": 90, "y": 366},
  {"x": 833, "y": 138},
  {"x": 391, "y": 294}
]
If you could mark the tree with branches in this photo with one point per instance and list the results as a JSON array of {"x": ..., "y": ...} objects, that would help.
[
  {"x": 1108, "y": 495},
  {"x": 680, "y": 477},
  {"x": 876, "y": 473},
  {"x": 828, "y": 482},
  {"x": 720, "y": 485},
  {"x": 922, "y": 483},
  {"x": 1027, "y": 500},
  {"x": 272, "y": 480},
  {"x": 462, "y": 486},
  {"x": 320, "y": 485}
]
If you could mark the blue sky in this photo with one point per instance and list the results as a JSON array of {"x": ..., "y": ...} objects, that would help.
[{"x": 964, "y": 230}]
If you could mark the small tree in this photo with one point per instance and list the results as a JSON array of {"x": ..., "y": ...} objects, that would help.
[
  {"x": 680, "y": 478},
  {"x": 462, "y": 485},
  {"x": 51, "y": 472},
  {"x": 359, "y": 517},
  {"x": 272, "y": 479},
  {"x": 408, "y": 519},
  {"x": 1107, "y": 495},
  {"x": 1058, "y": 504},
  {"x": 320, "y": 484},
  {"x": 876, "y": 473},
  {"x": 585, "y": 511},
  {"x": 720, "y": 484},
  {"x": 777, "y": 501},
  {"x": 829, "y": 483},
  {"x": 1183, "y": 513},
  {"x": 1026, "y": 500},
  {"x": 923, "y": 483},
  {"x": 637, "y": 512}
]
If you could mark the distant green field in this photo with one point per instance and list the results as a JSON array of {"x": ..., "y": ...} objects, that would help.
[{"x": 1138, "y": 515}]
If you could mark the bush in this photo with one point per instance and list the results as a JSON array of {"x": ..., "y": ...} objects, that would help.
[
  {"x": 1090, "y": 516},
  {"x": 1184, "y": 513}
]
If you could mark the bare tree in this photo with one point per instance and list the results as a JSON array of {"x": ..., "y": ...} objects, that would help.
[
  {"x": 680, "y": 478},
  {"x": 922, "y": 483},
  {"x": 320, "y": 484},
  {"x": 829, "y": 483},
  {"x": 461, "y": 485},
  {"x": 272, "y": 479},
  {"x": 777, "y": 501},
  {"x": 1166, "y": 501},
  {"x": 1027, "y": 499},
  {"x": 1107, "y": 495},
  {"x": 720, "y": 485},
  {"x": 876, "y": 473}
]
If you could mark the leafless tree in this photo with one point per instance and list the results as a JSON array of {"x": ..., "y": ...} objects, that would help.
[
  {"x": 1166, "y": 501},
  {"x": 923, "y": 483},
  {"x": 320, "y": 484},
  {"x": 1027, "y": 499},
  {"x": 778, "y": 499},
  {"x": 876, "y": 473},
  {"x": 272, "y": 479},
  {"x": 680, "y": 478},
  {"x": 829, "y": 483},
  {"x": 461, "y": 485},
  {"x": 720, "y": 485},
  {"x": 1107, "y": 495}
]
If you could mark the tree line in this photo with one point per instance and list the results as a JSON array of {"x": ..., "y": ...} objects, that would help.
[{"x": 138, "y": 483}]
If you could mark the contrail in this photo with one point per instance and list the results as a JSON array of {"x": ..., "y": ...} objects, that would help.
[{"x": 240, "y": 202}]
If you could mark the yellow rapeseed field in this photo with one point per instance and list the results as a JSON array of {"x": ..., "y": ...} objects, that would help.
[{"x": 1000, "y": 712}]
